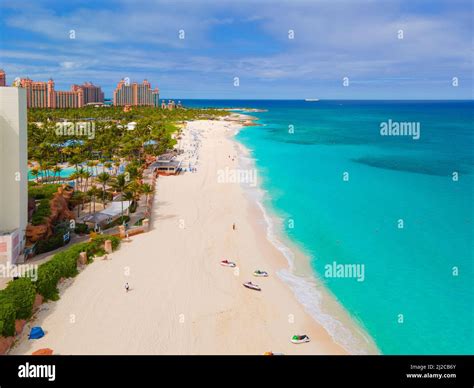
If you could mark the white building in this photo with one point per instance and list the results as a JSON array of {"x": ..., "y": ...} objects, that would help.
[{"x": 13, "y": 174}]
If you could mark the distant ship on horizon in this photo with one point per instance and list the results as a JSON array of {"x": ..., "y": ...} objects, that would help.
[{"x": 311, "y": 99}]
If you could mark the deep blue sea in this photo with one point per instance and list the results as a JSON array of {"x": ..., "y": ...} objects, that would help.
[{"x": 390, "y": 203}]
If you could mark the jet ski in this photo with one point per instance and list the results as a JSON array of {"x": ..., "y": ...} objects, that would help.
[
  {"x": 252, "y": 286},
  {"x": 227, "y": 263},
  {"x": 260, "y": 274},
  {"x": 300, "y": 339}
]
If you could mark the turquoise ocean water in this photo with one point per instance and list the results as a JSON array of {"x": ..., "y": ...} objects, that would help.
[{"x": 423, "y": 271}]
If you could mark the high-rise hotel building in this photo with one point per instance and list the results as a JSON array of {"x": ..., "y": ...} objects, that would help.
[
  {"x": 136, "y": 94},
  {"x": 43, "y": 94},
  {"x": 92, "y": 94},
  {"x": 3, "y": 78}
]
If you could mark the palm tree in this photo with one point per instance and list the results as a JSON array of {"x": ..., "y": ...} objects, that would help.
[
  {"x": 147, "y": 189},
  {"x": 93, "y": 191},
  {"x": 86, "y": 175},
  {"x": 108, "y": 165},
  {"x": 80, "y": 176},
  {"x": 78, "y": 200},
  {"x": 116, "y": 167},
  {"x": 43, "y": 167},
  {"x": 127, "y": 196},
  {"x": 35, "y": 173},
  {"x": 57, "y": 170},
  {"x": 103, "y": 178},
  {"x": 74, "y": 177},
  {"x": 121, "y": 184},
  {"x": 135, "y": 188},
  {"x": 92, "y": 164}
]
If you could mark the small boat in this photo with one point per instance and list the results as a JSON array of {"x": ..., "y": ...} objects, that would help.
[
  {"x": 272, "y": 354},
  {"x": 311, "y": 99},
  {"x": 252, "y": 286},
  {"x": 261, "y": 274},
  {"x": 300, "y": 339},
  {"x": 227, "y": 263}
]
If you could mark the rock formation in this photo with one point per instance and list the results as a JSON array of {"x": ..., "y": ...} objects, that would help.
[{"x": 59, "y": 205}]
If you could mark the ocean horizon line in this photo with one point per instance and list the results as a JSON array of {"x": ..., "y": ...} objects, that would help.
[
  {"x": 303, "y": 99},
  {"x": 319, "y": 100}
]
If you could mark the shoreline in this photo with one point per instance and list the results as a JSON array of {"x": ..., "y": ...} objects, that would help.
[
  {"x": 182, "y": 301},
  {"x": 310, "y": 291}
]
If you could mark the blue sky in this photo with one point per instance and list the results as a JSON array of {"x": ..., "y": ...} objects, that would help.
[{"x": 246, "y": 39}]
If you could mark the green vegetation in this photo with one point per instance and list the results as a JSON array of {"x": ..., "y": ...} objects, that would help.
[
  {"x": 81, "y": 229},
  {"x": 108, "y": 145},
  {"x": 50, "y": 244},
  {"x": 45, "y": 191},
  {"x": 22, "y": 293},
  {"x": 7, "y": 316},
  {"x": 64, "y": 264},
  {"x": 42, "y": 211},
  {"x": 16, "y": 300},
  {"x": 111, "y": 139}
]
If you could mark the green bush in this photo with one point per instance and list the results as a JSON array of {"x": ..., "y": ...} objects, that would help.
[
  {"x": 7, "y": 316},
  {"x": 64, "y": 264},
  {"x": 48, "y": 278},
  {"x": 50, "y": 244},
  {"x": 16, "y": 302},
  {"x": 43, "y": 211},
  {"x": 22, "y": 294},
  {"x": 81, "y": 229},
  {"x": 97, "y": 243},
  {"x": 45, "y": 191}
]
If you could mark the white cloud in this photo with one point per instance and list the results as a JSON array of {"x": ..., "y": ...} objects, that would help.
[{"x": 332, "y": 39}]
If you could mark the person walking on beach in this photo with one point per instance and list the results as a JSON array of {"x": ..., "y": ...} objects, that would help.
[
  {"x": 233, "y": 226},
  {"x": 127, "y": 287}
]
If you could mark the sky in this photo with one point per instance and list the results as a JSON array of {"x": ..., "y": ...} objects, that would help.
[{"x": 242, "y": 49}]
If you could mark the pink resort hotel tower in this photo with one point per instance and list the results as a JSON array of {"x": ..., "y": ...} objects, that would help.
[{"x": 135, "y": 94}]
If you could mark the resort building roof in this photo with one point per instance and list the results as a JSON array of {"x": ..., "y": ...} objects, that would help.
[{"x": 108, "y": 214}]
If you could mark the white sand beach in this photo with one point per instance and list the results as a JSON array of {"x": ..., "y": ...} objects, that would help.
[{"x": 182, "y": 301}]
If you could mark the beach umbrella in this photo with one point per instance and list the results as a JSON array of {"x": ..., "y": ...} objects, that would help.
[{"x": 43, "y": 352}]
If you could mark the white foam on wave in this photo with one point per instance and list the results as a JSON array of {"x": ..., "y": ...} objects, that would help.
[
  {"x": 307, "y": 293},
  {"x": 305, "y": 288}
]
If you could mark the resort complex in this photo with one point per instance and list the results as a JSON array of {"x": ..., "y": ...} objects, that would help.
[
  {"x": 43, "y": 94},
  {"x": 77, "y": 181},
  {"x": 139, "y": 181},
  {"x": 236, "y": 179}
]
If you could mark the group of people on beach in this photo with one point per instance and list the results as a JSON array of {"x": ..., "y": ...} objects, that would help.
[{"x": 191, "y": 151}]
